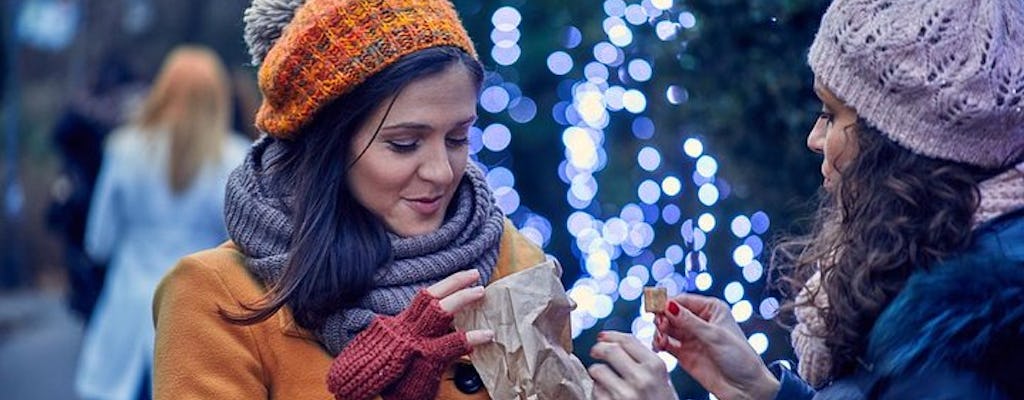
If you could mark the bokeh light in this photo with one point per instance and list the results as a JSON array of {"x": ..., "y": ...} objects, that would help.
[
  {"x": 759, "y": 341},
  {"x": 560, "y": 63},
  {"x": 610, "y": 81},
  {"x": 649, "y": 158}
]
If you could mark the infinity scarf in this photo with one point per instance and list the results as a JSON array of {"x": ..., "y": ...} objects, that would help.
[
  {"x": 258, "y": 216},
  {"x": 1000, "y": 194}
]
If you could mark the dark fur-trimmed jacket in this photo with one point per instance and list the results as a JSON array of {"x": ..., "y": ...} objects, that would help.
[{"x": 956, "y": 331}]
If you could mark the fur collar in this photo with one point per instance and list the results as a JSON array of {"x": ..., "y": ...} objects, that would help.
[{"x": 966, "y": 314}]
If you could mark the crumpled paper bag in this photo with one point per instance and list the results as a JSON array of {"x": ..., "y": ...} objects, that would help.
[{"x": 529, "y": 314}]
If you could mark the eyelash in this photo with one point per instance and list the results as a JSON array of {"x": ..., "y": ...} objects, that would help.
[
  {"x": 829, "y": 117},
  {"x": 411, "y": 147}
]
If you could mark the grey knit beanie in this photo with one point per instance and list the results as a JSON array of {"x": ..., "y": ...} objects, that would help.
[
  {"x": 264, "y": 22},
  {"x": 942, "y": 78}
]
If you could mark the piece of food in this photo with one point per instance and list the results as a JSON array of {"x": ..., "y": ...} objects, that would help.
[{"x": 655, "y": 299}]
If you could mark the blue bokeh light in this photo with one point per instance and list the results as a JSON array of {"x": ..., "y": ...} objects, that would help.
[
  {"x": 643, "y": 127},
  {"x": 649, "y": 158},
  {"x": 671, "y": 214},
  {"x": 522, "y": 110},
  {"x": 506, "y": 18},
  {"x": 740, "y": 226},
  {"x": 496, "y": 137},
  {"x": 560, "y": 63},
  {"x": 572, "y": 37},
  {"x": 494, "y": 99},
  {"x": 640, "y": 70}
]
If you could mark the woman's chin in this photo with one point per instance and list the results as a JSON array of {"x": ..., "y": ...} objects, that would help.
[{"x": 415, "y": 229}]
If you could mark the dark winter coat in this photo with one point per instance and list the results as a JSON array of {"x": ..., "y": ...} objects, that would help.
[{"x": 956, "y": 331}]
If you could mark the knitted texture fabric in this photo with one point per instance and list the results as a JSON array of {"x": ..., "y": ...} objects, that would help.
[
  {"x": 943, "y": 78},
  {"x": 401, "y": 357},
  {"x": 807, "y": 336},
  {"x": 310, "y": 52},
  {"x": 1000, "y": 195},
  {"x": 259, "y": 220}
]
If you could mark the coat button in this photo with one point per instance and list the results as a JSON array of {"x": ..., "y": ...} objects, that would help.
[{"x": 466, "y": 379}]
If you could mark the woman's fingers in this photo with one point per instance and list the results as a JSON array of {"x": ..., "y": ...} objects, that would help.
[
  {"x": 684, "y": 325},
  {"x": 616, "y": 356},
  {"x": 453, "y": 283},
  {"x": 461, "y": 298},
  {"x": 634, "y": 349},
  {"x": 666, "y": 343},
  {"x": 600, "y": 393},
  {"x": 479, "y": 337},
  {"x": 612, "y": 383},
  {"x": 712, "y": 310},
  {"x": 657, "y": 343},
  {"x": 705, "y": 307},
  {"x": 635, "y": 372},
  {"x": 454, "y": 292}
]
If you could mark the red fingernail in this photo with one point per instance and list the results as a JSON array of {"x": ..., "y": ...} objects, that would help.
[
  {"x": 600, "y": 336},
  {"x": 673, "y": 308}
]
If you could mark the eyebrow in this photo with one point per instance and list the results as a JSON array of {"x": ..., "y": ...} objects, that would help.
[{"x": 418, "y": 126}]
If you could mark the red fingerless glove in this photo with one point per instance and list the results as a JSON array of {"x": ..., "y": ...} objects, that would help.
[
  {"x": 423, "y": 378},
  {"x": 382, "y": 353}
]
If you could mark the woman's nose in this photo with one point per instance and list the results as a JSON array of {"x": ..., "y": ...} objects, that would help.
[
  {"x": 437, "y": 166},
  {"x": 816, "y": 137}
]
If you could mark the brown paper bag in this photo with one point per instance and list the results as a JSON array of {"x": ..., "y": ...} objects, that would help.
[{"x": 529, "y": 314}]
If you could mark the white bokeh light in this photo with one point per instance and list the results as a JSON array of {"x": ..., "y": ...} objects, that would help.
[
  {"x": 742, "y": 311},
  {"x": 759, "y": 342},
  {"x": 703, "y": 281},
  {"x": 693, "y": 148},
  {"x": 671, "y": 186}
]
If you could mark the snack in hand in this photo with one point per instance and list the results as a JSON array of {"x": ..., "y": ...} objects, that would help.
[{"x": 655, "y": 299}]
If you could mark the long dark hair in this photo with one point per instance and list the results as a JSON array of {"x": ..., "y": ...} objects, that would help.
[
  {"x": 893, "y": 212},
  {"x": 337, "y": 244}
]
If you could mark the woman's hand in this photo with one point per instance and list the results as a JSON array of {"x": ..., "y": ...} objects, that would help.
[
  {"x": 454, "y": 293},
  {"x": 638, "y": 373},
  {"x": 403, "y": 357},
  {"x": 711, "y": 347}
]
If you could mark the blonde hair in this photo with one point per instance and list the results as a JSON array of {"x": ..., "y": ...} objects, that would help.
[{"x": 190, "y": 100}]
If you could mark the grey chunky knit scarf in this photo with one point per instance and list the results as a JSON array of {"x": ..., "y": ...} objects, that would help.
[{"x": 259, "y": 221}]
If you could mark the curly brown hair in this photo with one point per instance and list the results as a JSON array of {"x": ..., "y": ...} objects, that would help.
[{"x": 891, "y": 213}]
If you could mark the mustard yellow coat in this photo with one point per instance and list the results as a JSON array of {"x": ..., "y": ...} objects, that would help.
[{"x": 199, "y": 355}]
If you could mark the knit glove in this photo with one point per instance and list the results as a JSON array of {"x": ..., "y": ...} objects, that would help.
[
  {"x": 423, "y": 378},
  {"x": 389, "y": 346}
]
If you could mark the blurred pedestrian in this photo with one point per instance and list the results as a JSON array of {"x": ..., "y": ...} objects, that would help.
[
  {"x": 159, "y": 196},
  {"x": 912, "y": 283},
  {"x": 78, "y": 137}
]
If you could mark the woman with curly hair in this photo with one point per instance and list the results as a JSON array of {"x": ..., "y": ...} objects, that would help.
[{"x": 911, "y": 284}]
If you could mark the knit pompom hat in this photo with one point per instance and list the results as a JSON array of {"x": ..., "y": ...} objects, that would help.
[
  {"x": 310, "y": 52},
  {"x": 942, "y": 78}
]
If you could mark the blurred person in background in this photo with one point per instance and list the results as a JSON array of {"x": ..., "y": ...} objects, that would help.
[
  {"x": 78, "y": 137},
  {"x": 911, "y": 285},
  {"x": 246, "y": 99},
  {"x": 358, "y": 224},
  {"x": 159, "y": 196}
]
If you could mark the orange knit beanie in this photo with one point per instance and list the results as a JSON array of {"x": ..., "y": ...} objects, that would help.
[{"x": 313, "y": 51}]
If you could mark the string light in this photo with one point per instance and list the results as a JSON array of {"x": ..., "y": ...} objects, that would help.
[{"x": 621, "y": 248}]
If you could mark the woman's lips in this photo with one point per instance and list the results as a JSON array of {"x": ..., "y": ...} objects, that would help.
[{"x": 425, "y": 205}]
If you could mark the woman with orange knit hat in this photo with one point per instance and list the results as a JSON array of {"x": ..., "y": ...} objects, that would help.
[{"x": 358, "y": 226}]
